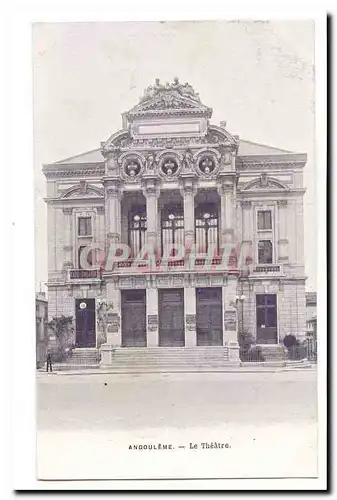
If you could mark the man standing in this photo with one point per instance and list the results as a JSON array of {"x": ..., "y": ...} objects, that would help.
[{"x": 49, "y": 361}]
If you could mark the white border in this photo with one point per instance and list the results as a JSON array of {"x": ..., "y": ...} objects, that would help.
[{"x": 20, "y": 291}]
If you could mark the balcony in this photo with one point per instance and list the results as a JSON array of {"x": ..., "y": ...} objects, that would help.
[
  {"x": 187, "y": 264},
  {"x": 84, "y": 274},
  {"x": 268, "y": 269}
]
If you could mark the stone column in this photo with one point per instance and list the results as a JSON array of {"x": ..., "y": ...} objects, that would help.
[
  {"x": 190, "y": 317},
  {"x": 68, "y": 239},
  {"x": 230, "y": 320},
  {"x": 152, "y": 317},
  {"x": 226, "y": 192},
  {"x": 113, "y": 195},
  {"x": 151, "y": 192},
  {"x": 282, "y": 235},
  {"x": 188, "y": 192}
]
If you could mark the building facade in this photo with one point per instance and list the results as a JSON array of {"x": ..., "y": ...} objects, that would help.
[
  {"x": 41, "y": 318},
  {"x": 311, "y": 314},
  {"x": 177, "y": 233}
]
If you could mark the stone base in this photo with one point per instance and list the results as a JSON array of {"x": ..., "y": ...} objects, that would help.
[
  {"x": 234, "y": 352},
  {"x": 107, "y": 352}
]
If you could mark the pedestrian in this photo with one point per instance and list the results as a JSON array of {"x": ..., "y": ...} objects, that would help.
[{"x": 49, "y": 361}]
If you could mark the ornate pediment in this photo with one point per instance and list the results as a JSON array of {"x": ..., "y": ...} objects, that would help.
[
  {"x": 264, "y": 182},
  {"x": 171, "y": 98},
  {"x": 83, "y": 190}
]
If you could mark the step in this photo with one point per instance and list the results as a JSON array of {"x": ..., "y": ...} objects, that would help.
[
  {"x": 170, "y": 369},
  {"x": 70, "y": 367}
]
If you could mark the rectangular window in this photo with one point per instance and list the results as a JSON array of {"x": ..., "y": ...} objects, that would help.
[
  {"x": 264, "y": 220},
  {"x": 84, "y": 226},
  {"x": 265, "y": 252}
]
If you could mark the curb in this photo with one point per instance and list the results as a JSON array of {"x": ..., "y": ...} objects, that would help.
[{"x": 103, "y": 371}]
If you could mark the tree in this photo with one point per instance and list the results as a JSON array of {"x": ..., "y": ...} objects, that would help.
[
  {"x": 62, "y": 328},
  {"x": 291, "y": 342}
]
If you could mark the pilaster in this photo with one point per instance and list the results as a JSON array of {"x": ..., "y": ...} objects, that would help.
[
  {"x": 114, "y": 331},
  {"x": 190, "y": 317},
  {"x": 230, "y": 314},
  {"x": 68, "y": 231},
  {"x": 282, "y": 234},
  {"x": 152, "y": 334}
]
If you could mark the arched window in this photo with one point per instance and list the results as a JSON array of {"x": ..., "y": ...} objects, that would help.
[
  {"x": 172, "y": 226},
  {"x": 137, "y": 229},
  {"x": 207, "y": 228}
]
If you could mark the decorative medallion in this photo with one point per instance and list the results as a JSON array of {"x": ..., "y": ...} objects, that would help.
[
  {"x": 170, "y": 164},
  {"x": 132, "y": 168},
  {"x": 169, "y": 167},
  {"x": 132, "y": 165},
  {"x": 207, "y": 163}
]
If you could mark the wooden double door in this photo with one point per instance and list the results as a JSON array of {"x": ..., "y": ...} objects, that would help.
[
  {"x": 133, "y": 318},
  {"x": 209, "y": 316},
  {"x": 266, "y": 319},
  {"x": 171, "y": 318}
]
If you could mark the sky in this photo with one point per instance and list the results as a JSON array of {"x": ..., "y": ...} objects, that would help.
[{"x": 257, "y": 76}]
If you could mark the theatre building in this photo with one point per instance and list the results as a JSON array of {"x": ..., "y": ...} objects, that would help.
[{"x": 185, "y": 190}]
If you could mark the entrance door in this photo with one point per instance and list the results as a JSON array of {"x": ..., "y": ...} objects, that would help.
[
  {"x": 209, "y": 316},
  {"x": 171, "y": 318},
  {"x": 133, "y": 318},
  {"x": 85, "y": 323},
  {"x": 266, "y": 319}
]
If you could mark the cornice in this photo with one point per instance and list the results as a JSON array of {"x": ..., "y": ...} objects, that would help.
[
  {"x": 165, "y": 113},
  {"x": 266, "y": 193},
  {"x": 85, "y": 169},
  {"x": 261, "y": 162},
  {"x": 75, "y": 201}
]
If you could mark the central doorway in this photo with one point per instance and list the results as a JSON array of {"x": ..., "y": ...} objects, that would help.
[
  {"x": 209, "y": 316},
  {"x": 171, "y": 318},
  {"x": 133, "y": 318}
]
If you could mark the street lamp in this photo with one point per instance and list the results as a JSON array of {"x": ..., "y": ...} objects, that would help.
[{"x": 240, "y": 299}]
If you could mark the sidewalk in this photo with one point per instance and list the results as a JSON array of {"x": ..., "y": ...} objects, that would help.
[{"x": 244, "y": 368}]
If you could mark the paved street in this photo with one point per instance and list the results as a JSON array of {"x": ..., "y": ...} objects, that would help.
[{"x": 99, "y": 402}]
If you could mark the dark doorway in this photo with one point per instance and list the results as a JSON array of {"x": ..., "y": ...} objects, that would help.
[
  {"x": 133, "y": 318},
  {"x": 85, "y": 323},
  {"x": 266, "y": 319},
  {"x": 171, "y": 318},
  {"x": 209, "y": 316}
]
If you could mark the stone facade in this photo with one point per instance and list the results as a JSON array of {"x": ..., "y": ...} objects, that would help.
[
  {"x": 41, "y": 318},
  {"x": 170, "y": 177}
]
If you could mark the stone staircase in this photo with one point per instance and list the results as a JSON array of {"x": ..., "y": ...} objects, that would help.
[
  {"x": 81, "y": 359},
  {"x": 169, "y": 359}
]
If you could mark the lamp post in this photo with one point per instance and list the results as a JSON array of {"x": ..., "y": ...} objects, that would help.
[{"x": 239, "y": 299}]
